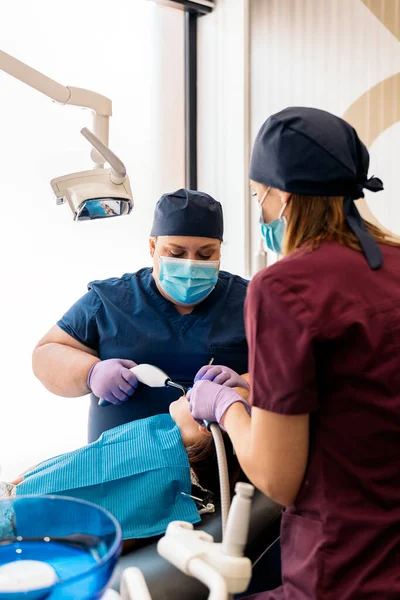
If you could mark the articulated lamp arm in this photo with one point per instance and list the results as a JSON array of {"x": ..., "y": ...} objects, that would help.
[{"x": 100, "y": 105}]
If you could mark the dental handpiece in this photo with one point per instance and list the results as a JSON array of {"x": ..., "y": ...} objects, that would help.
[{"x": 151, "y": 376}]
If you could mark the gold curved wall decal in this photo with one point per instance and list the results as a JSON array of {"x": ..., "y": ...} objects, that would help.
[
  {"x": 379, "y": 108},
  {"x": 387, "y": 11},
  {"x": 376, "y": 110}
]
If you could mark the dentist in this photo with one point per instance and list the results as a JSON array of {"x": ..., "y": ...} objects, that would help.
[{"x": 177, "y": 315}]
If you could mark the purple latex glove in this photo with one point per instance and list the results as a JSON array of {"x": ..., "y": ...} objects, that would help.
[
  {"x": 112, "y": 380},
  {"x": 221, "y": 375},
  {"x": 209, "y": 401}
]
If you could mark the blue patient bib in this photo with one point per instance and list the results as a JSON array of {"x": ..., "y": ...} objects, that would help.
[{"x": 137, "y": 471}]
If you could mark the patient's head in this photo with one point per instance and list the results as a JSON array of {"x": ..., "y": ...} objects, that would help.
[
  {"x": 200, "y": 448},
  {"x": 191, "y": 431}
]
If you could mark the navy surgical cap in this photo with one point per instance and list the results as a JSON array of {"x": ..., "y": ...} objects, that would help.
[
  {"x": 312, "y": 152},
  {"x": 188, "y": 213}
]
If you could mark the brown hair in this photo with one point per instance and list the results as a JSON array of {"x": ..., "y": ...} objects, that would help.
[
  {"x": 203, "y": 460},
  {"x": 313, "y": 219}
]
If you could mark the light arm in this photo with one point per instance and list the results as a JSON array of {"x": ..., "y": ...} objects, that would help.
[
  {"x": 118, "y": 170},
  {"x": 100, "y": 105}
]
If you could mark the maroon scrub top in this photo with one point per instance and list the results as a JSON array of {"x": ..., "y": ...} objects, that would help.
[{"x": 324, "y": 338}]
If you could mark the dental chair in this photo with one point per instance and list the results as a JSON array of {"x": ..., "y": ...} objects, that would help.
[{"x": 165, "y": 582}]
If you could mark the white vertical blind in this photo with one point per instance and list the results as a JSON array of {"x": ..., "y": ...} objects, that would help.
[{"x": 327, "y": 54}]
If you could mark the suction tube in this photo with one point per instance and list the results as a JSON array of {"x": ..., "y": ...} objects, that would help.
[{"x": 223, "y": 473}]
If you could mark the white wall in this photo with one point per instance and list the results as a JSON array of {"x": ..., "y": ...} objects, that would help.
[
  {"x": 326, "y": 54},
  {"x": 118, "y": 50}
]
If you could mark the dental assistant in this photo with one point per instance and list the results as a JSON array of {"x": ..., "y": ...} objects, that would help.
[
  {"x": 323, "y": 328},
  {"x": 178, "y": 316}
]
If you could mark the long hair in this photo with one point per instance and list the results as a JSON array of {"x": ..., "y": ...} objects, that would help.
[
  {"x": 313, "y": 219},
  {"x": 203, "y": 460}
]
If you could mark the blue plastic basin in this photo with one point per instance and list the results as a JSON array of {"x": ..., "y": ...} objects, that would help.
[{"x": 79, "y": 540}]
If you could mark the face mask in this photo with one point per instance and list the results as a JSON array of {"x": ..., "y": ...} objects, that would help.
[
  {"x": 274, "y": 232},
  {"x": 187, "y": 281}
]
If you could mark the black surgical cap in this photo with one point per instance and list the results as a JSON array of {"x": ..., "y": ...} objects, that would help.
[
  {"x": 309, "y": 151},
  {"x": 188, "y": 213}
]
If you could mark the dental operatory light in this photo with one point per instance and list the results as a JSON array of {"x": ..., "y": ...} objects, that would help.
[{"x": 96, "y": 193}]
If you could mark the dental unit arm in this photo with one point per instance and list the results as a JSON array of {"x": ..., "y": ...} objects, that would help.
[
  {"x": 90, "y": 194},
  {"x": 221, "y": 567}
]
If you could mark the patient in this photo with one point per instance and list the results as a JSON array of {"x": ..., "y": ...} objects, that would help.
[{"x": 145, "y": 473}]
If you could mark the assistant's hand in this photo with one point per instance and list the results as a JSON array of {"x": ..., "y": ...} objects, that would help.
[
  {"x": 209, "y": 401},
  {"x": 112, "y": 380},
  {"x": 221, "y": 375}
]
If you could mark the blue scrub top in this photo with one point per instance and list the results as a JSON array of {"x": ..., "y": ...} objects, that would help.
[{"x": 127, "y": 317}]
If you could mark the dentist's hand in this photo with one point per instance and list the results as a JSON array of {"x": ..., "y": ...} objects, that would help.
[
  {"x": 209, "y": 401},
  {"x": 112, "y": 380},
  {"x": 221, "y": 375}
]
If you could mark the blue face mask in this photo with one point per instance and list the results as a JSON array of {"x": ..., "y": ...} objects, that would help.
[
  {"x": 274, "y": 232},
  {"x": 139, "y": 472},
  {"x": 187, "y": 281}
]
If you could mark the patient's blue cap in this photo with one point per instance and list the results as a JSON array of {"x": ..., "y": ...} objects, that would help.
[
  {"x": 188, "y": 213},
  {"x": 309, "y": 151}
]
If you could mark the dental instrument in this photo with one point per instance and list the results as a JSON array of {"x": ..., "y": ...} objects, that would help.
[
  {"x": 100, "y": 192},
  {"x": 151, "y": 376},
  {"x": 207, "y": 423}
]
